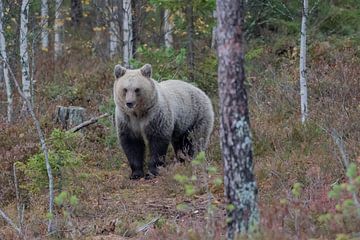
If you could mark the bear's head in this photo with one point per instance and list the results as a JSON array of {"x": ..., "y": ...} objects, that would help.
[{"x": 134, "y": 90}]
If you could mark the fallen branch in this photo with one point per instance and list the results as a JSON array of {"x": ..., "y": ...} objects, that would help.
[
  {"x": 88, "y": 122},
  {"x": 147, "y": 225}
]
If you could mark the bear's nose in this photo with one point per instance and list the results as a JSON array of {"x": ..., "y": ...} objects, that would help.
[{"x": 129, "y": 104}]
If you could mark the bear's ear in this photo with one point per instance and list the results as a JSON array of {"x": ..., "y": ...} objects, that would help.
[
  {"x": 146, "y": 70},
  {"x": 119, "y": 71}
]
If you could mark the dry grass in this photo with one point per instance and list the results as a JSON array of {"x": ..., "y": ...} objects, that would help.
[{"x": 113, "y": 207}]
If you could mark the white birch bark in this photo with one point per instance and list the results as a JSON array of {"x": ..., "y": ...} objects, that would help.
[
  {"x": 24, "y": 53},
  {"x": 213, "y": 37},
  {"x": 303, "y": 81},
  {"x": 44, "y": 25},
  {"x": 43, "y": 147},
  {"x": 127, "y": 33},
  {"x": 168, "y": 28},
  {"x": 4, "y": 59},
  {"x": 59, "y": 30},
  {"x": 113, "y": 31}
]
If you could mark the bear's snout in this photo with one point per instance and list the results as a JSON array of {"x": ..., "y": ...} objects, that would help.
[{"x": 130, "y": 104}]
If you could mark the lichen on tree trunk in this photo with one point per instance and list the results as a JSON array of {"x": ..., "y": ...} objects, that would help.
[{"x": 236, "y": 144}]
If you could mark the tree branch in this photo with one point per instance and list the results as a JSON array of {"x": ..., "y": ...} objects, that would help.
[
  {"x": 43, "y": 146},
  {"x": 88, "y": 122},
  {"x": 10, "y": 222}
]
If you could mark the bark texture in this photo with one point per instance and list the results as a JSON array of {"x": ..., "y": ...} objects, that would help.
[
  {"x": 24, "y": 53},
  {"x": 59, "y": 30},
  {"x": 114, "y": 29},
  {"x": 44, "y": 25},
  {"x": 168, "y": 28},
  {"x": 70, "y": 116},
  {"x": 303, "y": 81},
  {"x": 4, "y": 60},
  {"x": 76, "y": 12},
  {"x": 236, "y": 143},
  {"x": 190, "y": 38},
  {"x": 127, "y": 33}
]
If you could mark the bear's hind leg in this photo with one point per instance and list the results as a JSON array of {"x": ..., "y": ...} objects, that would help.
[
  {"x": 134, "y": 149},
  {"x": 200, "y": 136},
  {"x": 183, "y": 148}
]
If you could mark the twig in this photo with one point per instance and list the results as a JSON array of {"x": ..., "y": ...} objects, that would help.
[
  {"x": 19, "y": 211},
  {"x": 345, "y": 159},
  {"x": 88, "y": 122},
  {"x": 147, "y": 225},
  {"x": 10, "y": 222},
  {"x": 43, "y": 146}
]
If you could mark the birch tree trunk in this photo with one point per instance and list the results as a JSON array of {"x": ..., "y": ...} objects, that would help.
[
  {"x": 44, "y": 25},
  {"x": 168, "y": 28},
  {"x": 190, "y": 39},
  {"x": 59, "y": 30},
  {"x": 24, "y": 53},
  {"x": 236, "y": 143},
  {"x": 303, "y": 81},
  {"x": 213, "y": 35},
  {"x": 127, "y": 33},
  {"x": 9, "y": 93},
  {"x": 114, "y": 29}
]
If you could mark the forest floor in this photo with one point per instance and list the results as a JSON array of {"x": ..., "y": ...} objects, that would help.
[{"x": 296, "y": 165}]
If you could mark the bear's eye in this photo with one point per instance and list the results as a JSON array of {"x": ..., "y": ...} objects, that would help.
[
  {"x": 137, "y": 90},
  {"x": 125, "y": 90}
]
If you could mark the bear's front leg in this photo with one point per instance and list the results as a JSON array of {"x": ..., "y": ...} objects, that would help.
[
  {"x": 158, "y": 149},
  {"x": 134, "y": 149}
]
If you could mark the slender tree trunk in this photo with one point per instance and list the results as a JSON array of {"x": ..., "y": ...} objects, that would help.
[
  {"x": 24, "y": 52},
  {"x": 303, "y": 77},
  {"x": 9, "y": 93},
  {"x": 43, "y": 147},
  {"x": 59, "y": 30},
  {"x": 44, "y": 25},
  {"x": 213, "y": 36},
  {"x": 190, "y": 39},
  {"x": 76, "y": 12},
  {"x": 127, "y": 33},
  {"x": 114, "y": 29},
  {"x": 168, "y": 28},
  {"x": 236, "y": 143},
  {"x": 98, "y": 5}
]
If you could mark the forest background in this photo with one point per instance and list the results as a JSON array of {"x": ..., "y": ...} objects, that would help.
[{"x": 307, "y": 173}]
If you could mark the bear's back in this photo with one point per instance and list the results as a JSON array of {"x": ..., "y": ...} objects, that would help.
[{"x": 187, "y": 102}]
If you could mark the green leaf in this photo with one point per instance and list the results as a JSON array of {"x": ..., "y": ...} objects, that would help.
[
  {"x": 212, "y": 170},
  {"x": 230, "y": 207},
  {"x": 189, "y": 189},
  {"x": 74, "y": 200},
  {"x": 218, "y": 181},
  {"x": 181, "y": 178},
  {"x": 49, "y": 215},
  {"x": 351, "y": 170},
  {"x": 297, "y": 189}
]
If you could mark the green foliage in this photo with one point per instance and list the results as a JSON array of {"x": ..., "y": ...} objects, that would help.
[
  {"x": 297, "y": 189},
  {"x": 111, "y": 136},
  {"x": 347, "y": 195},
  {"x": 169, "y": 63},
  {"x": 341, "y": 21},
  {"x": 62, "y": 158}
]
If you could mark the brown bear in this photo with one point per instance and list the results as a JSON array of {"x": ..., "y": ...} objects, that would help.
[{"x": 157, "y": 114}]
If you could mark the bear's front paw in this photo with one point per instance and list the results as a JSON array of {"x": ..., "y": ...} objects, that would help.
[{"x": 137, "y": 175}]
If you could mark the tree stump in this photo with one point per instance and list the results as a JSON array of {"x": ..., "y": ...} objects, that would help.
[{"x": 69, "y": 117}]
